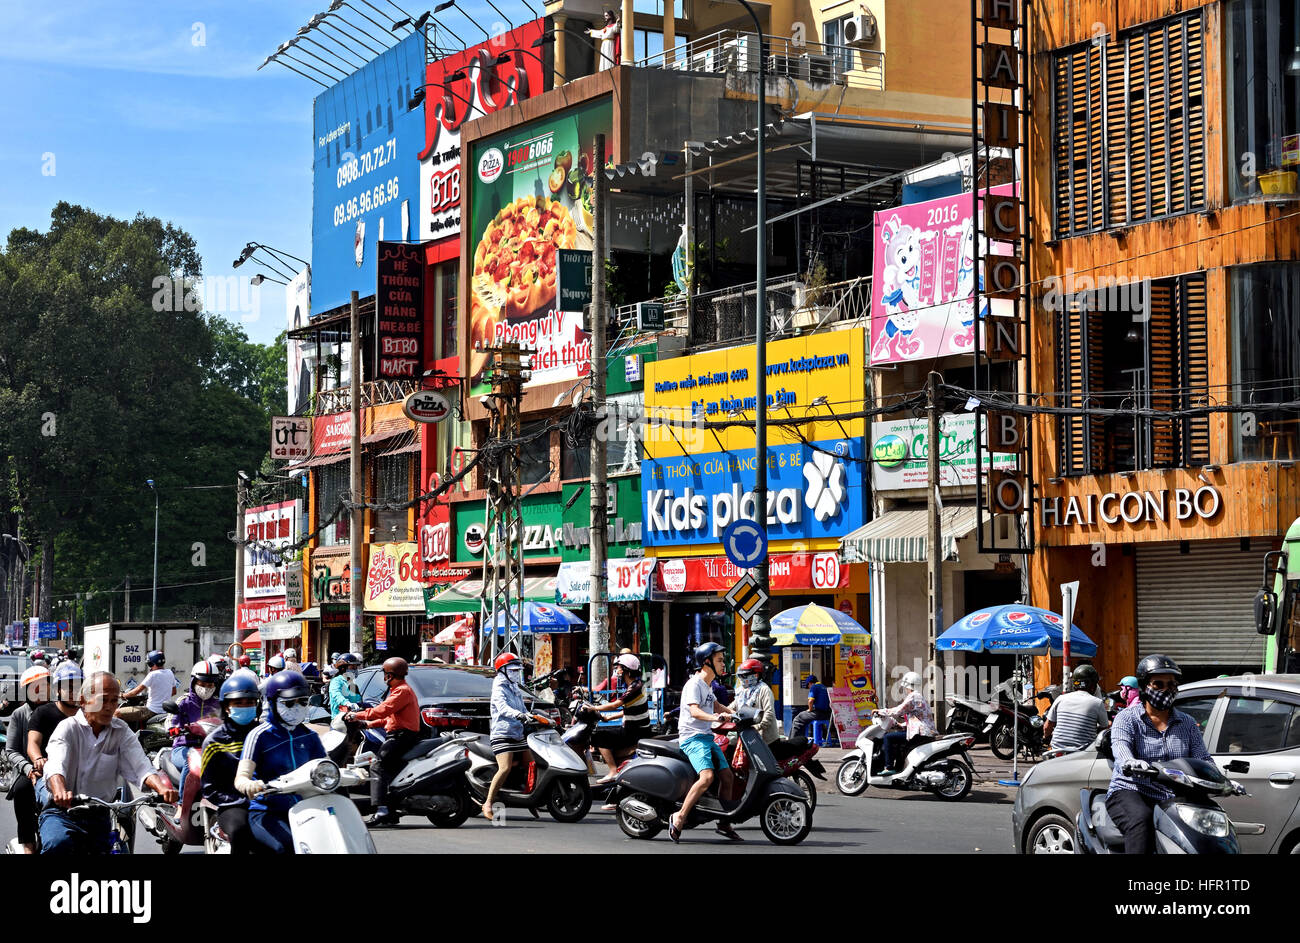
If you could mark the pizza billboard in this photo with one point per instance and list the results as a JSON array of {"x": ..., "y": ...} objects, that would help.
[{"x": 530, "y": 195}]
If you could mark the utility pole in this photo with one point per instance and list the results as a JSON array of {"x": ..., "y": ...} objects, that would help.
[
  {"x": 241, "y": 536},
  {"x": 598, "y": 619},
  {"x": 934, "y": 545},
  {"x": 128, "y": 598},
  {"x": 357, "y": 488},
  {"x": 689, "y": 233}
]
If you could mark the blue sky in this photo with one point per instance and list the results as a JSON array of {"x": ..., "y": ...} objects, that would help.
[{"x": 157, "y": 106}]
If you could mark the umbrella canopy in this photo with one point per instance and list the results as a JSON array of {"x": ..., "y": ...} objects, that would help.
[
  {"x": 538, "y": 619},
  {"x": 812, "y": 624},
  {"x": 1015, "y": 629},
  {"x": 457, "y": 632}
]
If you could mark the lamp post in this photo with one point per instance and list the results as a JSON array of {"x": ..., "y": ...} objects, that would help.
[{"x": 153, "y": 611}]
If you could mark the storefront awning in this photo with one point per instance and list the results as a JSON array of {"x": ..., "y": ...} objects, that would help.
[
  {"x": 277, "y": 631},
  {"x": 466, "y": 596},
  {"x": 900, "y": 536},
  {"x": 312, "y": 613}
]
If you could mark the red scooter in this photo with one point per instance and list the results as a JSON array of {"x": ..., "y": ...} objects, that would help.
[{"x": 181, "y": 824}]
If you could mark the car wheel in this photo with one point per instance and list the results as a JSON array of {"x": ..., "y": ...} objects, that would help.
[{"x": 1051, "y": 835}]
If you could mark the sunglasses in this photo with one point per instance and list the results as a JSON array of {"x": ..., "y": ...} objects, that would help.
[
  {"x": 1162, "y": 685},
  {"x": 293, "y": 702}
]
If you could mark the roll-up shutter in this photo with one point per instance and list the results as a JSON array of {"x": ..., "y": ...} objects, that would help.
[{"x": 1198, "y": 607}]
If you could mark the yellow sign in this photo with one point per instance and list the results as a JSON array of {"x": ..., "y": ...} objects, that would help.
[{"x": 393, "y": 579}]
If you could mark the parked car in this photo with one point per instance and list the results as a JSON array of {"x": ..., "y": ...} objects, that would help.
[
  {"x": 1251, "y": 726},
  {"x": 451, "y": 697}
]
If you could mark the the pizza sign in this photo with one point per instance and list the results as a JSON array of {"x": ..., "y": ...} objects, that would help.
[{"x": 491, "y": 164}]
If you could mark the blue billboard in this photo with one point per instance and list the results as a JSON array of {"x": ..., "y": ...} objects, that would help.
[
  {"x": 365, "y": 171},
  {"x": 814, "y": 490}
]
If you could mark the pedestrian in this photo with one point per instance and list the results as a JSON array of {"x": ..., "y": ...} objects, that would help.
[
  {"x": 399, "y": 713},
  {"x": 819, "y": 707}
]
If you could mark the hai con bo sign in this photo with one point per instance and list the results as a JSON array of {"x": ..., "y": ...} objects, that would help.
[
  {"x": 999, "y": 136},
  {"x": 1131, "y": 507}
]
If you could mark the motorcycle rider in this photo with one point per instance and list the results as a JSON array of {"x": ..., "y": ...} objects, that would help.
[
  {"x": 634, "y": 702},
  {"x": 1128, "y": 691},
  {"x": 1074, "y": 719},
  {"x": 65, "y": 687},
  {"x": 278, "y": 745},
  {"x": 199, "y": 703},
  {"x": 508, "y": 717},
  {"x": 160, "y": 684},
  {"x": 274, "y": 665},
  {"x": 695, "y": 737},
  {"x": 291, "y": 661},
  {"x": 35, "y": 687},
  {"x": 753, "y": 693},
  {"x": 343, "y": 687},
  {"x": 240, "y": 705},
  {"x": 914, "y": 709},
  {"x": 399, "y": 713},
  {"x": 89, "y": 754},
  {"x": 1149, "y": 731}
]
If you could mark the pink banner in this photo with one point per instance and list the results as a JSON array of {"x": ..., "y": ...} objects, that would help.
[
  {"x": 270, "y": 610},
  {"x": 821, "y": 571}
]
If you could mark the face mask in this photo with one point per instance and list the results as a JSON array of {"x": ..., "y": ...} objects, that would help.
[
  {"x": 293, "y": 716},
  {"x": 516, "y": 675},
  {"x": 350, "y": 675},
  {"x": 243, "y": 716},
  {"x": 205, "y": 691},
  {"x": 1160, "y": 700},
  {"x": 749, "y": 681}
]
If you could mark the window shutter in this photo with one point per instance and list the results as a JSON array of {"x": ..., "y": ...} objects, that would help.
[
  {"x": 1162, "y": 373},
  {"x": 1079, "y": 146},
  {"x": 1195, "y": 368},
  {"x": 1079, "y": 360}
]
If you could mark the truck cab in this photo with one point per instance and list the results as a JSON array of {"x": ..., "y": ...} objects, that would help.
[{"x": 1277, "y": 605}]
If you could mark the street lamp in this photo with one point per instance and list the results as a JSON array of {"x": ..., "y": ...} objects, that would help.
[
  {"x": 259, "y": 278},
  {"x": 448, "y": 4},
  {"x": 153, "y": 612},
  {"x": 419, "y": 96}
]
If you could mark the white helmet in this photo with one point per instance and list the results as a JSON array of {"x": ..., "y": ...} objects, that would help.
[
  {"x": 290, "y": 654},
  {"x": 911, "y": 681},
  {"x": 629, "y": 662}
]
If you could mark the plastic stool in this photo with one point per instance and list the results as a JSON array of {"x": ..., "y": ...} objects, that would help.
[{"x": 819, "y": 732}]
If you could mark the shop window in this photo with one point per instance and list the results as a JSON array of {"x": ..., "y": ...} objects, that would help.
[
  {"x": 534, "y": 454},
  {"x": 1144, "y": 346},
  {"x": 1266, "y": 306},
  {"x": 1264, "y": 104},
  {"x": 833, "y": 38},
  {"x": 1128, "y": 127},
  {"x": 392, "y": 486},
  {"x": 331, "y": 485},
  {"x": 448, "y": 281}
]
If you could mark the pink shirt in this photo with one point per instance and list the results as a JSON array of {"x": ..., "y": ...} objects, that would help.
[{"x": 917, "y": 713}]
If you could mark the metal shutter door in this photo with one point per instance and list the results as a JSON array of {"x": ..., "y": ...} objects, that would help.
[{"x": 1198, "y": 607}]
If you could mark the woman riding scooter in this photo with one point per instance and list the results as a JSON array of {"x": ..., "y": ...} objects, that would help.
[
  {"x": 508, "y": 718},
  {"x": 915, "y": 710},
  {"x": 239, "y": 701}
]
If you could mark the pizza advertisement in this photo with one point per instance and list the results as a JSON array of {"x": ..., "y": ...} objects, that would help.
[{"x": 531, "y": 194}]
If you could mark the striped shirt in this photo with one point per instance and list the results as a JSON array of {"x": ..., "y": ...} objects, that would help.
[
  {"x": 1076, "y": 717},
  {"x": 1134, "y": 737}
]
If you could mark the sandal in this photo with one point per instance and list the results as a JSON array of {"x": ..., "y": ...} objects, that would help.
[
  {"x": 726, "y": 831},
  {"x": 674, "y": 830}
]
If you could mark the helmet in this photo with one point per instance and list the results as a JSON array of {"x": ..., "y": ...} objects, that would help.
[
  {"x": 329, "y": 673},
  {"x": 241, "y": 684},
  {"x": 221, "y": 663},
  {"x": 37, "y": 654},
  {"x": 245, "y": 661},
  {"x": 204, "y": 672},
  {"x": 1128, "y": 681},
  {"x": 291, "y": 654},
  {"x": 397, "y": 667},
  {"x": 749, "y": 666},
  {"x": 706, "y": 651},
  {"x": 1156, "y": 665},
  {"x": 310, "y": 669},
  {"x": 503, "y": 660},
  {"x": 68, "y": 671},
  {"x": 284, "y": 684},
  {"x": 629, "y": 663},
  {"x": 155, "y": 659},
  {"x": 911, "y": 680},
  {"x": 275, "y": 663},
  {"x": 334, "y": 657},
  {"x": 1085, "y": 676},
  {"x": 33, "y": 674},
  {"x": 348, "y": 660}
]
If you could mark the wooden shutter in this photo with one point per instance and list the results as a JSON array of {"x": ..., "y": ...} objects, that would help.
[
  {"x": 1079, "y": 375},
  {"x": 1080, "y": 138},
  {"x": 1178, "y": 370},
  {"x": 1195, "y": 368},
  {"x": 1162, "y": 355}
]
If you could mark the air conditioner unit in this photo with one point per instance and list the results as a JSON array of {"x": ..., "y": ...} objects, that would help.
[
  {"x": 702, "y": 61},
  {"x": 784, "y": 65},
  {"x": 818, "y": 70},
  {"x": 860, "y": 30},
  {"x": 742, "y": 53}
]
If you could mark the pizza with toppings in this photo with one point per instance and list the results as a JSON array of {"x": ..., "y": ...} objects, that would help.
[{"x": 514, "y": 264}]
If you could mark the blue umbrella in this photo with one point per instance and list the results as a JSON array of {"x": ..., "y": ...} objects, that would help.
[
  {"x": 539, "y": 618},
  {"x": 1015, "y": 629}
]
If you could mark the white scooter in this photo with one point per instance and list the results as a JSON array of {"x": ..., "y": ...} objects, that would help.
[
  {"x": 324, "y": 822},
  {"x": 939, "y": 765}
]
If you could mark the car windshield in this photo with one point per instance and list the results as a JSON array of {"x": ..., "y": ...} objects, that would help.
[{"x": 449, "y": 682}]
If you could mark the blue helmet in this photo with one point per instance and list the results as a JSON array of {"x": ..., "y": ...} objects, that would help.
[
  {"x": 155, "y": 659},
  {"x": 284, "y": 684},
  {"x": 310, "y": 669},
  {"x": 706, "y": 651},
  {"x": 240, "y": 684}
]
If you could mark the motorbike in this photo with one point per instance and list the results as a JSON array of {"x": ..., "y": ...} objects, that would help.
[
  {"x": 1028, "y": 731},
  {"x": 324, "y": 821},
  {"x": 796, "y": 758},
  {"x": 652, "y": 786},
  {"x": 181, "y": 824},
  {"x": 967, "y": 715},
  {"x": 1191, "y": 823},
  {"x": 577, "y": 737},
  {"x": 551, "y": 775},
  {"x": 939, "y": 765}
]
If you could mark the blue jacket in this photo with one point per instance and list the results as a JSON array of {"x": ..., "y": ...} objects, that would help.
[
  {"x": 276, "y": 750},
  {"x": 508, "y": 712},
  {"x": 341, "y": 693}
]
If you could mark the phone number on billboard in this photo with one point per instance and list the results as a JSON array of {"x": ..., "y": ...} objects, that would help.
[
  {"x": 364, "y": 202},
  {"x": 365, "y": 162}
]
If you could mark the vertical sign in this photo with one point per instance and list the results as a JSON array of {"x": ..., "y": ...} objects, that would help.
[
  {"x": 1001, "y": 223},
  {"x": 399, "y": 301},
  {"x": 381, "y": 633}
]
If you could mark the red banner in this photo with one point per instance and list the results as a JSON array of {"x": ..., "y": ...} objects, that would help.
[
  {"x": 813, "y": 571},
  {"x": 264, "y": 610},
  {"x": 332, "y": 433}
]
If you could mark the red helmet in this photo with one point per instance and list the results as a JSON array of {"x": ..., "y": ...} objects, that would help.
[
  {"x": 244, "y": 661},
  {"x": 504, "y": 659},
  {"x": 750, "y": 666}
]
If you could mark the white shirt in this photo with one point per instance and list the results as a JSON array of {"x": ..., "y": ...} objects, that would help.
[
  {"x": 160, "y": 685},
  {"x": 92, "y": 764},
  {"x": 700, "y": 693}
]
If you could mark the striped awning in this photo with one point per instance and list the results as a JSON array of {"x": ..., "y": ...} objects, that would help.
[
  {"x": 900, "y": 536},
  {"x": 466, "y": 596}
]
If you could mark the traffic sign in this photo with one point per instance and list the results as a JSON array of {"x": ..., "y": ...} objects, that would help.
[
  {"x": 745, "y": 543},
  {"x": 745, "y": 598}
]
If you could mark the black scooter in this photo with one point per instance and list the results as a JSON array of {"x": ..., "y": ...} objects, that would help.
[
  {"x": 652, "y": 786},
  {"x": 1191, "y": 823}
]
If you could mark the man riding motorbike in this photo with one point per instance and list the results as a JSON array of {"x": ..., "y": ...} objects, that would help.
[
  {"x": 240, "y": 704},
  {"x": 65, "y": 689},
  {"x": 159, "y": 684},
  {"x": 35, "y": 687},
  {"x": 695, "y": 737},
  {"x": 279, "y": 745},
  {"x": 399, "y": 712},
  {"x": 199, "y": 703},
  {"x": 915, "y": 710},
  {"x": 1152, "y": 730},
  {"x": 1074, "y": 719}
]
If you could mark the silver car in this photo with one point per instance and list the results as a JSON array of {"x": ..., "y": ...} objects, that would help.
[{"x": 1251, "y": 725}]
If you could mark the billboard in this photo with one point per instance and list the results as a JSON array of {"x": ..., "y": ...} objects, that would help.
[
  {"x": 365, "y": 171},
  {"x": 297, "y": 305},
  {"x": 900, "y": 453},
  {"x": 481, "y": 86},
  {"x": 923, "y": 280},
  {"x": 267, "y": 528},
  {"x": 530, "y": 196}
]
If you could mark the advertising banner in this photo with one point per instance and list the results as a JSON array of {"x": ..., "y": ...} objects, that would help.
[
  {"x": 623, "y": 519},
  {"x": 365, "y": 170},
  {"x": 923, "y": 280},
  {"x": 530, "y": 196},
  {"x": 463, "y": 86},
  {"x": 290, "y": 437},
  {"x": 266, "y": 610},
  {"x": 331, "y": 577},
  {"x": 297, "y": 304},
  {"x": 626, "y": 580},
  {"x": 820, "y": 571},
  {"x": 900, "y": 453},
  {"x": 268, "y": 528},
  {"x": 399, "y": 302},
  {"x": 381, "y": 633},
  {"x": 543, "y": 528},
  {"x": 393, "y": 579},
  {"x": 845, "y": 714},
  {"x": 332, "y": 433}
]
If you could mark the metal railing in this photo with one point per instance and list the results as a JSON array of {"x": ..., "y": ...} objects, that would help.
[
  {"x": 814, "y": 63},
  {"x": 374, "y": 393}
]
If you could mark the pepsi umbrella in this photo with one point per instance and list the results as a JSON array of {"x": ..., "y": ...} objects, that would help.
[
  {"x": 1014, "y": 629},
  {"x": 539, "y": 619},
  {"x": 812, "y": 624}
]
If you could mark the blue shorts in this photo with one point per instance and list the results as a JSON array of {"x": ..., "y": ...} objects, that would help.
[{"x": 703, "y": 752}]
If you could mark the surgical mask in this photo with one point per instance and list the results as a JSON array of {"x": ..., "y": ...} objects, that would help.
[
  {"x": 350, "y": 675},
  {"x": 516, "y": 675},
  {"x": 293, "y": 716},
  {"x": 205, "y": 691},
  {"x": 243, "y": 716},
  {"x": 750, "y": 681},
  {"x": 1160, "y": 700}
]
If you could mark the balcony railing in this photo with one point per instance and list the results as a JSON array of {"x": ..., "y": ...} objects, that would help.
[
  {"x": 374, "y": 393},
  {"x": 814, "y": 63}
]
